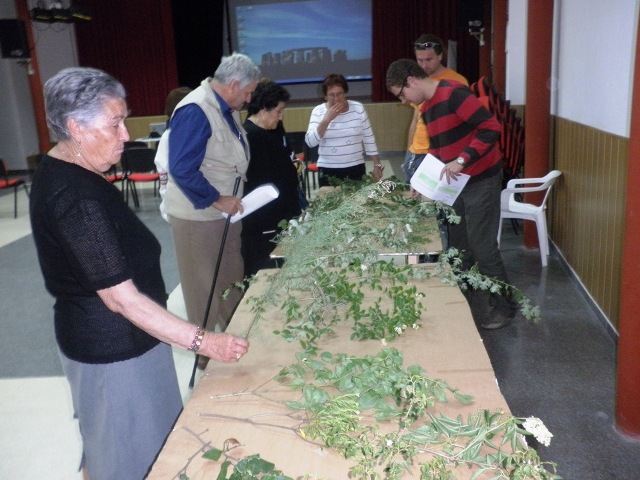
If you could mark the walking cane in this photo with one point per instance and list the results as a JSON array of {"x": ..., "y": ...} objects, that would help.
[{"x": 213, "y": 282}]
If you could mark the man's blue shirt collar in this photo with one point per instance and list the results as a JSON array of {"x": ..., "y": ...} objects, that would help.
[{"x": 223, "y": 105}]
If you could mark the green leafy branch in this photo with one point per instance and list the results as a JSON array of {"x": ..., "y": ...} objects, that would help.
[
  {"x": 338, "y": 295},
  {"x": 247, "y": 468},
  {"x": 450, "y": 272},
  {"x": 344, "y": 396},
  {"x": 345, "y": 225},
  {"x": 332, "y": 260},
  {"x": 379, "y": 385},
  {"x": 480, "y": 441}
]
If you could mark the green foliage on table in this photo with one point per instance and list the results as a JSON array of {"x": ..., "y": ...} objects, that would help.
[
  {"x": 333, "y": 258},
  {"x": 342, "y": 396},
  {"x": 379, "y": 383},
  {"x": 379, "y": 414},
  {"x": 248, "y": 468},
  {"x": 338, "y": 295},
  {"x": 371, "y": 409}
]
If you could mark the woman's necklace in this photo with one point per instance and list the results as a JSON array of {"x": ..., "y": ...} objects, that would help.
[
  {"x": 67, "y": 156},
  {"x": 77, "y": 159}
]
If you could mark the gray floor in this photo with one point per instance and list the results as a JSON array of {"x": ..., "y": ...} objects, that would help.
[{"x": 561, "y": 370}]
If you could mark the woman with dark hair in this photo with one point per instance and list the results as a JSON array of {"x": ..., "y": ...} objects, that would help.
[
  {"x": 342, "y": 130},
  {"x": 271, "y": 162},
  {"x": 102, "y": 265},
  {"x": 173, "y": 99}
]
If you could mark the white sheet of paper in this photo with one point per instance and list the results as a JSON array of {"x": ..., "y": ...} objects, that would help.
[
  {"x": 426, "y": 180},
  {"x": 256, "y": 199}
]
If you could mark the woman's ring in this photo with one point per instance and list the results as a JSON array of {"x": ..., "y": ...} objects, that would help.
[{"x": 237, "y": 356}]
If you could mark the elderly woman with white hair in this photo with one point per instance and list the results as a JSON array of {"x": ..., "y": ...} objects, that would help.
[{"x": 102, "y": 265}]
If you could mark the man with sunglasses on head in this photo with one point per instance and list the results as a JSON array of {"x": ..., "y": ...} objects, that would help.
[
  {"x": 464, "y": 136},
  {"x": 429, "y": 52}
]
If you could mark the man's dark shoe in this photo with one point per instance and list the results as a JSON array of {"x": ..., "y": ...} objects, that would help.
[{"x": 496, "y": 321}]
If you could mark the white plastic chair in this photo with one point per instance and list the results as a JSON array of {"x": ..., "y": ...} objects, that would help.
[{"x": 511, "y": 208}]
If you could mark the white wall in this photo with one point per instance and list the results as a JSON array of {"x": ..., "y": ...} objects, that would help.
[
  {"x": 596, "y": 50},
  {"x": 18, "y": 136},
  {"x": 516, "y": 46},
  {"x": 55, "y": 49},
  {"x": 592, "y": 61}
]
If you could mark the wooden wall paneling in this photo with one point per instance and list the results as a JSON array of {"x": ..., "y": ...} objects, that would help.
[
  {"x": 611, "y": 193},
  {"x": 139, "y": 126},
  {"x": 604, "y": 205},
  {"x": 558, "y": 215},
  {"x": 390, "y": 124},
  {"x": 576, "y": 193},
  {"x": 588, "y": 209},
  {"x": 621, "y": 150},
  {"x": 573, "y": 191},
  {"x": 389, "y": 121},
  {"x": 584, "y": 161},
  {"x": 601, "y": 203},
  {"x": 610, "y": 205},
  {"x": 577, "y": 165},
  {"x": 589, "y": 174},
  {"x": 588, "y": 245},
  {"x": 296, "y": 119},
  {"x": 609, "y": 270}
]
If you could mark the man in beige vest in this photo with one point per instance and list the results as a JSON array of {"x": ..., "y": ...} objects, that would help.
[{"x": 208, "y": 150}]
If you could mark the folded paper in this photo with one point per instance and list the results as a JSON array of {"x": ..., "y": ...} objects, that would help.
[
  {"x": 426, "y": 180},
  {"x": 255, "y": 199}
]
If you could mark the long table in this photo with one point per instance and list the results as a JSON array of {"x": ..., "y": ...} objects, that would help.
[{"x": 241, "y": 405}]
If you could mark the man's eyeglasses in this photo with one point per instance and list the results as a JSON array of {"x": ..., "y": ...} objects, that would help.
[
  {"x": 400, "y": 94},
  {"x": 425, "y": 45}
]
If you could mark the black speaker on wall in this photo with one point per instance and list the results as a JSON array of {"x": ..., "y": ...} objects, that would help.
[
  {"x": 13, "y": 39},
  {"x": 469, "y": 11}
]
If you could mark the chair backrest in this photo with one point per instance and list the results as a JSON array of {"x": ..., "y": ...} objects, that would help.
[
  {"x": 135, "y": 144},
  {"x": 549, "y": 179},
  {"x": 137, "y": 160},
  {"x": 521, "y": 185},
  {"x": 4, "y": 173},
  {"x": 295, "y": 140},
  {"x": 481, "y": 87},
  {"x": 513, "y": 159}
]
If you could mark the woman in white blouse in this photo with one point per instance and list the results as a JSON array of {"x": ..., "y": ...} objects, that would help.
[{"x": 341, "y": 129}]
